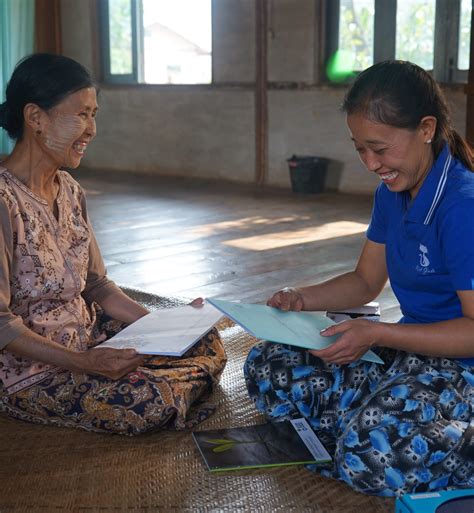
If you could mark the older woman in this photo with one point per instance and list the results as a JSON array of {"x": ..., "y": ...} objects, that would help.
[
  {"x": 407, "y": 425},
  {"x": 56, "y": 301}
]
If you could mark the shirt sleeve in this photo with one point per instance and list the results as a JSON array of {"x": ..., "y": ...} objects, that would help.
[
  {"x": 457, "y": 243},
  {"x": 98, "y": 285},
  {"x": 376, "y": 232},
  {"x": 11, "y": 326}
]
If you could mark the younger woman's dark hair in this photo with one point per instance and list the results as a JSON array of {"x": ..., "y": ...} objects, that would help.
[
  {"x": 401, "y": 94},
  {"x": 43, "y": 79}
]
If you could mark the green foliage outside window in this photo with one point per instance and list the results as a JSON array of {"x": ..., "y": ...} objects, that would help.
[
  {"x": 356, "y": 31},
  {"x": 120, "y": 37},
  {"x": 415, "y": 32}
]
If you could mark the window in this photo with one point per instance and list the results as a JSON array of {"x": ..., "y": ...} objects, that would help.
[
  {"x": 156, "y": 41},
  {"x": 435, "y": 34}
]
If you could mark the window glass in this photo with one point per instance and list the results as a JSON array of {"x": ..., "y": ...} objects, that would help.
[
  {"x": 464, "y": 35},
  {"x": 120, "y": 33},
  {"x": 177, "y": 41},
  {"x": 415, "y": 32},
  {"x": 356, "y": 31}
]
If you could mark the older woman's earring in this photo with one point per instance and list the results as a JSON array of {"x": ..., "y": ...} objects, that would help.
[
  {"x": 38, "y": 132},
  {"x": 428, "y": 141}
]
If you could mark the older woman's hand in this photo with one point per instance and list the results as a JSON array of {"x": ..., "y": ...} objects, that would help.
[
  {"x": 109, "y": 362},
  {"x": 356, "y": 338},
  {"x": 286, "y": 299}
]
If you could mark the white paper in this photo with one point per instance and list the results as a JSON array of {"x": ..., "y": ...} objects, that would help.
[
  {"x": 167, "y": 332},
  {"x": 310, "y": 439}
]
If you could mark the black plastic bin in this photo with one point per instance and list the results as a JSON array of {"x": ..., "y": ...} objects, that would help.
[{"x": 308, "y": 174}]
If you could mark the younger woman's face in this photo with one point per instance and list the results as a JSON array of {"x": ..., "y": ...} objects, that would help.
[
  {"x": 69, "y": 127},
  {"x": 401, "y": 158}
]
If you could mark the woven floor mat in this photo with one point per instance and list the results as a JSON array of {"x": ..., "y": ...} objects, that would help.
[{"x": 49, "y": 469}]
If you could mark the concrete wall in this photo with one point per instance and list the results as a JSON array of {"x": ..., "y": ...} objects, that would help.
[
  {"x": 205, "y": 134},
  {"x": 209, "y": 131}
]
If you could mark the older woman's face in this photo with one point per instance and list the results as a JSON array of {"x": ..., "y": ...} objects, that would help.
[
  {"x": 400, "y": 157},
  {"x": 69, "y": 127}
]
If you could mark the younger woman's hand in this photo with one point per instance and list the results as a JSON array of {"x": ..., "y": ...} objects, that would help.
[
  {"x": 356, "y": 338},
  {"x": 287, "y": 299},
  {"x": 109, "y": 362}
]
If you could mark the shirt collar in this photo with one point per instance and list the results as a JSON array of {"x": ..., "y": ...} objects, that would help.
[{"x": 432, "y": 189}]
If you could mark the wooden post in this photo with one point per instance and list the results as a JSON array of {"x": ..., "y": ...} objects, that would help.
[
  {"x": 48, "y": 26},
  {"x": 261, "y": 99},
  {"x": 469, "y": 89}
]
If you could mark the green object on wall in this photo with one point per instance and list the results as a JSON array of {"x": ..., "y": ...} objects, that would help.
[{"x": 340, "y": 67}]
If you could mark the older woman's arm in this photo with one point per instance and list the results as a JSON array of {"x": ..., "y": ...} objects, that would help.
[
  {"x": 11, "y": 326},
  {"x": 18, "y": 339},
  {"x": 112, "y": 363}
]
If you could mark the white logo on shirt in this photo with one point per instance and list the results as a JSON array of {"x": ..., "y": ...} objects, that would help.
[
  {"x": 424, "y": 261},
  {"x": 423, "y": 267}
]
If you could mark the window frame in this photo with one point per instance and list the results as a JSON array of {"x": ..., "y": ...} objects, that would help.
[
  {"x": 446, "y": 36},
  {"x": 136, "y": 10},
  {"x": 137, "y": 77}
]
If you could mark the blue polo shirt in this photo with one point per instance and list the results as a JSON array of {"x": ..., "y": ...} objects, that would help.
[{"x": 429, "y": 242}]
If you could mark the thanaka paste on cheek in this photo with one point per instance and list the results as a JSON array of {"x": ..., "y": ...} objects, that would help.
[{"x": 63, "y": 132}]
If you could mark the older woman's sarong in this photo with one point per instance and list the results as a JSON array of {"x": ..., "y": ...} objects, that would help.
[{"x": 167, "y": 392}]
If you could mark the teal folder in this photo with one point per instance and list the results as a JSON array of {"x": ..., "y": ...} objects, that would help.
[{"x": 299, "y": 329}]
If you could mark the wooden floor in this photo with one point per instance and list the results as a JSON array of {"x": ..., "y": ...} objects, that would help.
[
  {"x": 192, "y": 239},
  {"x": 195, "y": 238}
]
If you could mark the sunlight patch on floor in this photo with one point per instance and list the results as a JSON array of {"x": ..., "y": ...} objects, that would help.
[
  {"x": 290, "y": 238},
  {"x": 244, "y": 223}
]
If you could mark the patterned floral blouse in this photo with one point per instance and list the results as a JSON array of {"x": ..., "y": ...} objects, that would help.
[{"x": 51, "y": 274}]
